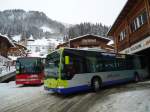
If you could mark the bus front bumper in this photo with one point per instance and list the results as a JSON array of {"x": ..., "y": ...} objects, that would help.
[
  {"x": 29, "y": 81},
  {"x": 68, "y": 90},
  {"x": 56, "y": 90}
]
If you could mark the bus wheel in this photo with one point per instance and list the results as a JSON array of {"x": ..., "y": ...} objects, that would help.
[
  {"x": 136, "y": 77},
  {"x": 96, "y": 84}
]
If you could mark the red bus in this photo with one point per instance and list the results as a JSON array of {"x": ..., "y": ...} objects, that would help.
[{"x": 29, "y": 70}]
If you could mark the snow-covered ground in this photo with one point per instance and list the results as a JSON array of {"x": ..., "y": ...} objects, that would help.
[
  {"x": 41, "y": 47},
  {"x": 47, "y": 29},
  {"x": 16, "y": 38},
  {"x": 134, "y": 97}
]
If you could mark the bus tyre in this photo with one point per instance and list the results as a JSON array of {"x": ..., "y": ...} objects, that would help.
[
  {"x": 96, "y": 84},
  {"x": 136, "y": 77}
]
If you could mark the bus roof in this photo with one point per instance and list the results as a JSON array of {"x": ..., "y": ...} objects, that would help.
[
  {"x": 29, "y": 57},
  {"x": 91, "y": 50}
]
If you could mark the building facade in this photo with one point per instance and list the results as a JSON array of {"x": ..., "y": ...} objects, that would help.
[
  {"x": 131, "y": 30},
  {"x": 131, "y": 26},
  {"x": 88, "y": 41}
]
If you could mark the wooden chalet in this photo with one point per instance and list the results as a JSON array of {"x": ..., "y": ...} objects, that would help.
[
  {"x": 88, "y": 41},
  {"x": 18, "y": 50},
  {"x": 5, "y": 44},
  {"x": 131, "y": 30},
  {"x": 132, "y": 25}
]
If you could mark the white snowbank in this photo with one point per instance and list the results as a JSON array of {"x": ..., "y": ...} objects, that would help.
[{"x": 4, "y": 71}]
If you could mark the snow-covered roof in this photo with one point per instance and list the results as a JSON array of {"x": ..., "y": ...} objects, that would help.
[
  {"x": 4, "y": 36},
  {"x": 110, "y": 42},
  {"x": 13, "y": 57},
  {"x": 90, "y": 35},
  {"x": 92, "y": 49},
  {"x": 20, "y": 45},
  {"x": 31, "y": 38}
]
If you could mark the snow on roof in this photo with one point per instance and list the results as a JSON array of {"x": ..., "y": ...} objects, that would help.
[
  {"x": 4, "y": 36},
  {"x": 110, "y": 42},
  {"x": 20, "y": 45},
  {"x": 91, "y": 35},
  {"x": 92, "y": 49},
  {"x": 31, "y": 38},
  {"x": 13, "y": 57}
]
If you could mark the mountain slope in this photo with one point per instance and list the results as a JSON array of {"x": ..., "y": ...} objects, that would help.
[
  {"x": 16, "y": 22},
  {"x": 19, "y": 24},
  {"x": 86, "y": 28}
]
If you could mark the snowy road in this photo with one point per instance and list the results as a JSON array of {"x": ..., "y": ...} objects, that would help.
[{"x": 133, "y": 97}]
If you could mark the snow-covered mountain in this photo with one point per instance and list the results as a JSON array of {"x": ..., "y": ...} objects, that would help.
[{"x": 20, "y": 24}]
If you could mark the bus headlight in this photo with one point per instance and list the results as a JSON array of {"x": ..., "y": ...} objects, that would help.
[{"x": 61, "y": 87}]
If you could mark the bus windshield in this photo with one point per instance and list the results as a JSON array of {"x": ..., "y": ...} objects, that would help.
[
  {"x": 28, "y": 65},
  {"x": 52, "y": 65}
]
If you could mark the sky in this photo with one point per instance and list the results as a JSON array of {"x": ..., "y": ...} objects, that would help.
[{"x": 71, "y": 11}]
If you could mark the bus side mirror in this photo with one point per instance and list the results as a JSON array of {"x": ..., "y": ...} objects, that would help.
[{"x": 67, "y": 60}]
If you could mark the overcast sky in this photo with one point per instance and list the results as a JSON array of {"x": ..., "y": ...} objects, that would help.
[{"x": 71, "y": 11}]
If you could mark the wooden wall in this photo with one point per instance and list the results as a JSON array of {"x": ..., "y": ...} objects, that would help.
[{"x": 140, "y": 33}]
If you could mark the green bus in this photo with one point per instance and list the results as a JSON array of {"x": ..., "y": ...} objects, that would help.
[{"x": 70, "y": 70}]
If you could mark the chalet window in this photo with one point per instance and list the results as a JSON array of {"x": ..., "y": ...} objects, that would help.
[
  {"x": 139, "y": 21},
  {"x": 122, "y": 35}
]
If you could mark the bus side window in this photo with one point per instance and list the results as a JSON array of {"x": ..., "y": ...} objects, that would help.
[
  {"x": 99, "y": 66},
  {"x": 79, "y": 65},
  {"x": 109, "y": 65},
  {"x": 90, "y": 65},
  {"x": 93, "y": 65},
  {"x": 143, "y": 61},
  {"x": 137, "y": 63}
]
